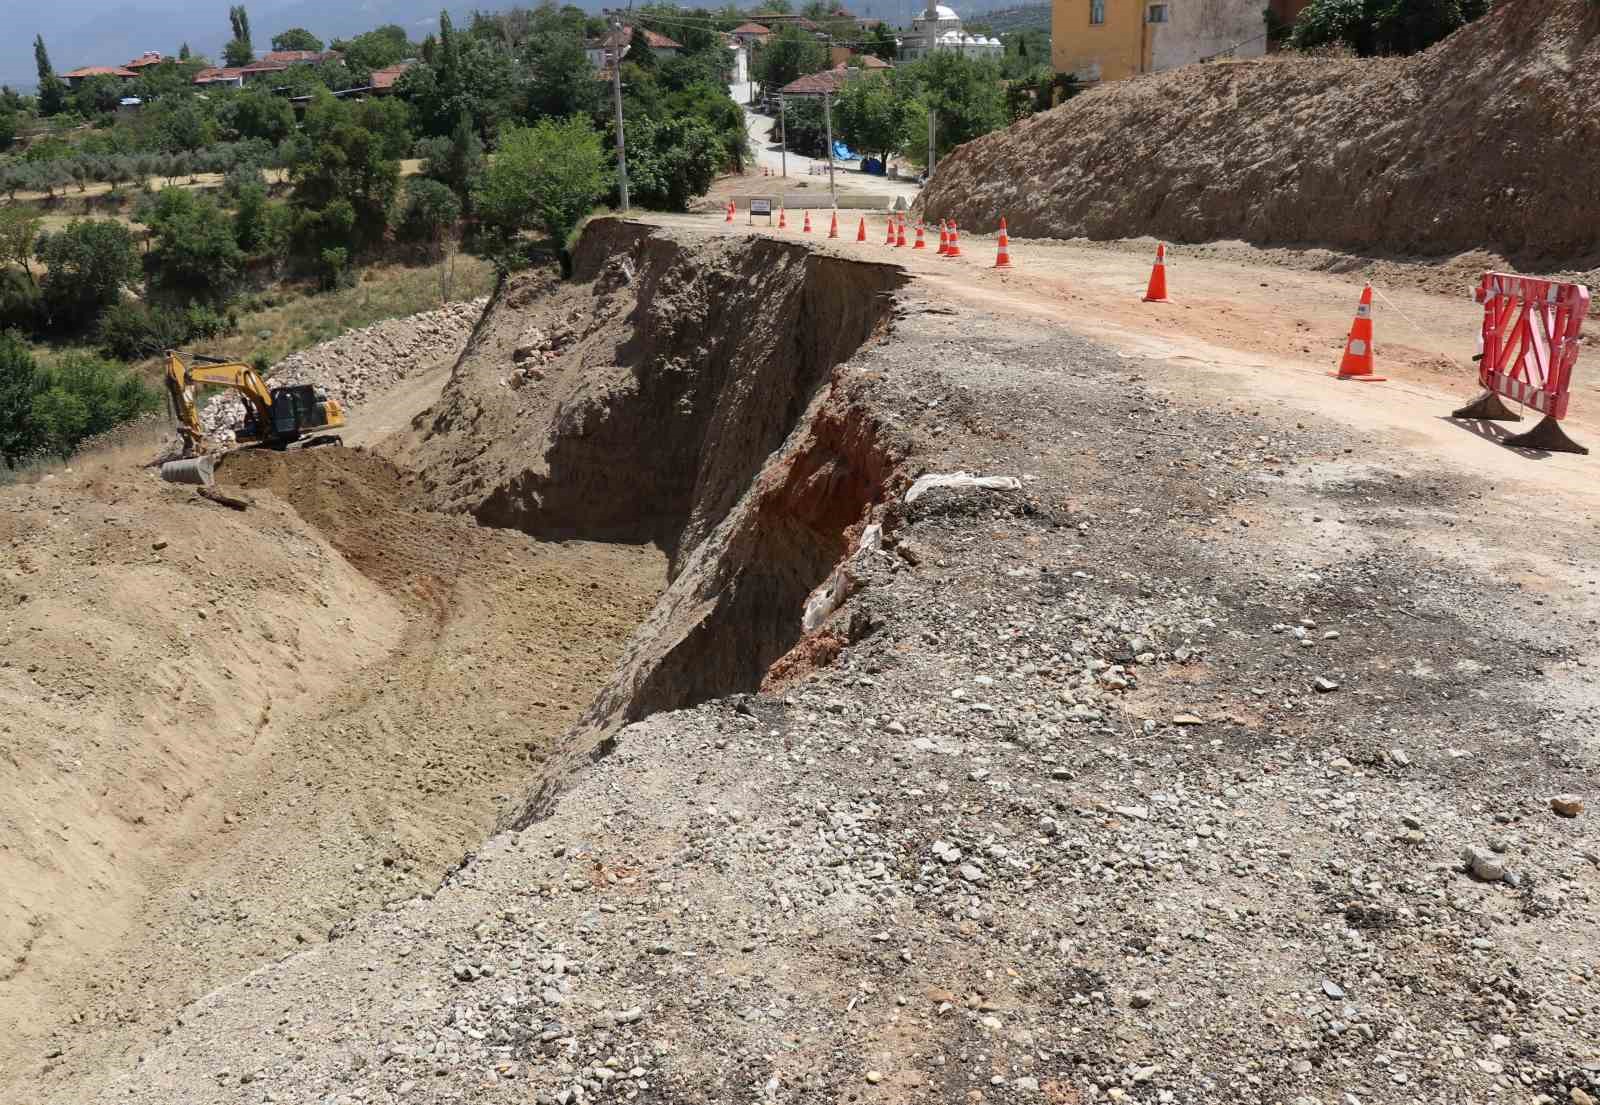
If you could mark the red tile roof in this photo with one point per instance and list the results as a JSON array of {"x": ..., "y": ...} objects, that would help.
[
  {"x": 624, "y": 37},
  {"x": 871, "y": 61},
  {"x": 385, "y": 78},
  {"x": 751, "y": 29},
  {"x": 207, "y": 76},
  {"x": 815, "y": 84},
  {"x": 100, "y": 71},
  {"x": 149, "y": 57}
]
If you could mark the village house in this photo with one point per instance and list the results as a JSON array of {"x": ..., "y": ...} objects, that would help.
[
  {"x": 604, "y": 50},
  {"x": 1108, "y": 40}
]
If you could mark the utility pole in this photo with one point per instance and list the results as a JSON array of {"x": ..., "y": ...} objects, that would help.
[
  {"x": 827, "y": 120},
  {"x": 783, "y": 132},
  {"x": 932, "y": 150},
  {"x": 616, "y": 100}
]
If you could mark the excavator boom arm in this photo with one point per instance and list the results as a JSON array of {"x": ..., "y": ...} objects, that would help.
[{"x": 183, "y": 375}]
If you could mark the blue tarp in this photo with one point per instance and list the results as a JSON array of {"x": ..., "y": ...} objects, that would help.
[{"x": 841, "y": 152}]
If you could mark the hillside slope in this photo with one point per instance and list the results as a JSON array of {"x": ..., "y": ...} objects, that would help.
[{"x": 1489, "y": 139}]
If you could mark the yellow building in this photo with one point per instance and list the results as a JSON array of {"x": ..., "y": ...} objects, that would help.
[{"x": 1107, "y": 40}]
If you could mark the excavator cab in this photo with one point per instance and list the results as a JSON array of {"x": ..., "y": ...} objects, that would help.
[{"x": 297, "y": 410}]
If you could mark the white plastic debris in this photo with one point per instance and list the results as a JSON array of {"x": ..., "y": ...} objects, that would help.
[
  {"x": 830, "y": 594},
  {"x": 961, "y": 479}
]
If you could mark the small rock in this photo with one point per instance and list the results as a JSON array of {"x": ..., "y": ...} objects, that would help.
[
  {"x": 158, "y": 545},
  {"x": 464, "y": 972},
  {"x": 1484, "y": 864},
  {"x": 1323, "y": 684},
  {"x": 1142, "y": 999},
  {"x": 1399, "y": 756},
  {"x": 1138, "y": 813},
  {"x": 874, "y": 1076},
  {"x": 972, "y": 873},
  {"x": 1567, "y": 805},
  {"x": 1333, "y": 989}
]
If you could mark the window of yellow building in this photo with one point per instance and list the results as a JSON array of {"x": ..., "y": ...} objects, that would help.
[
  {"x": 1097, "y": 12},
  {"x": 1158, "y": 13}
]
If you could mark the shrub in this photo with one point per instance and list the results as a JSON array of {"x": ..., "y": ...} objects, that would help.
[{"x": 431, "y": 209}]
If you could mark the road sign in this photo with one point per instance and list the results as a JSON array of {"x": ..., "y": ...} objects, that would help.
[{"x": 760, "y": 205}]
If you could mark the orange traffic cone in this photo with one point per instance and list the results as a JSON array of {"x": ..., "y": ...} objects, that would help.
[
  {"x": 807, "y": 228},
  {"x": 833, "y": 227},
  {"x": 1003, "y": 258},
  {"x": 900, "y": 239},
  {"x": 861, "y": 230},
  {"x": 955, "y": 241},
  {"x": 920, "y": 243},
  {"x": 944, "y": 238},
  {"x": 1157, "y": 291},
  {"x": 1357, "y": 362},
  {"x": 729, "y": 219},
  {"x": 782, "y": 220},
  {"x": 889, "y": 241}
]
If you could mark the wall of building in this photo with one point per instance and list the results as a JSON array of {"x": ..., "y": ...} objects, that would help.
[
  {"x": 1128, "y": 44},
  {"x": 1108, "y": 51},
  {"x": 1198, "y": 29}
]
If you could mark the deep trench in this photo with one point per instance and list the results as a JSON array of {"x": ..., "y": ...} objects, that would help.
[{"x": 722, "y": 429}]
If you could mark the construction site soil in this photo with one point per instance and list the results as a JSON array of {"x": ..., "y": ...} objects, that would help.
[
  {"x": 629, "y": 723},
  {"x": 1489, "y": 140}
]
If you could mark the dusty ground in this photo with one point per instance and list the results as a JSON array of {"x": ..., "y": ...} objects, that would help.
[
  {"x": 1067, "y": 818},
  {"x": 226, "y": 746}
]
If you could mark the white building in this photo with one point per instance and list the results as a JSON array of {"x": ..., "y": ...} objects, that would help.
[{"x": 939, "y": 28}]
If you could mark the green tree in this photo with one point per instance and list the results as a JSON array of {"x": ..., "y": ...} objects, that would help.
[
  {"x": 239, "y": 51},
  {"x": 183, "y": 52},
  {"x": 20, "y": 381},
  {"x": 8, "y": 129},
  {"x": 97, "y": 96},
  {"x": 296, "y": 38},
  {"x": 876, "y": 114},
  {"x": 671, "y": 161},
  {"x": 52, "y": 92},
  {"x": 19, "y": 228},
  {"x": 787, "y": 56},
  {"x": 1373, "y": 27},
  {"x": 377, "y": 49},
  {"x": 344, "y": 182},
  {"x": 431, "y": 210},
  {"x": 560, "y": 79},
  {"x": 456, "y": 162},
  {"x": 253, "y": 113},
  {"x": 467, "y": 74},
  {"x": 548, "y": 175},
  {"x": 195, "y": 245},
  {"x": 87, "y": 265},
  {"x": 183, "y": 125},
  {"x": 881, "y": 43},
  {"x": 966, "y": 94}
]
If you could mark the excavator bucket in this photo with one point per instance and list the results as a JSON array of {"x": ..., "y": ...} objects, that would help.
[{"x": 196, "y": 470}]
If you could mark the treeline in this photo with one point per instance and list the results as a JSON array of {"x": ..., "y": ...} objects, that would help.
[{"x": 49, "y": 410}]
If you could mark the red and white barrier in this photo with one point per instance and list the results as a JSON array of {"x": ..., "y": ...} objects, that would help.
[{"x": 1530, "y": 347}]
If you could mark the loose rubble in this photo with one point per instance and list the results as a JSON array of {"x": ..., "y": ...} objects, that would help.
[{"x": 355, "y": 366}]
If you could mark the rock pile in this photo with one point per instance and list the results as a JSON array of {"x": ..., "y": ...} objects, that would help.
[{"x": 355, "y": 366}]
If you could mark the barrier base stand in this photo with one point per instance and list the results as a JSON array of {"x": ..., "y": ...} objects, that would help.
[
  {"x": 1487, "y": 407},
  {"x": 1548, "y": 437}
]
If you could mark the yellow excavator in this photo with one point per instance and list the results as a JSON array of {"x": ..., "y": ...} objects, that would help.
[{"x": 280, "y": 417}]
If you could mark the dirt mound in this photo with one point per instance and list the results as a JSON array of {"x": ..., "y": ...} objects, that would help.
[{"x": 1489, "y": 139}]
